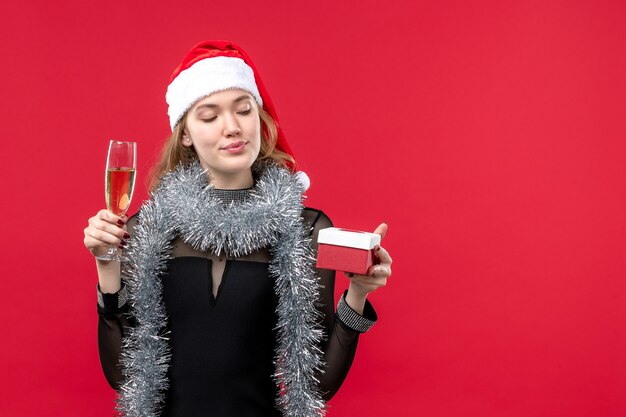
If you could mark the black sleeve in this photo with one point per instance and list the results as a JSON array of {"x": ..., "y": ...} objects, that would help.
[
  {"x": 111, "y": 330},
  {"x": 340, "y": 344},
  {"x": 113, "y": 322}
]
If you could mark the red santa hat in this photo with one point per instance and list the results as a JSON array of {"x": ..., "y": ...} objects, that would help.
[{"x": 213, "y": 66}]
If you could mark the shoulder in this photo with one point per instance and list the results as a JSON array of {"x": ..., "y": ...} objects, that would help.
[{"x": 315, "y": 219}]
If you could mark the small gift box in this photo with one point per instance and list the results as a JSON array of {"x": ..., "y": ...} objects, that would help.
[{"x": 346, "y": 250}]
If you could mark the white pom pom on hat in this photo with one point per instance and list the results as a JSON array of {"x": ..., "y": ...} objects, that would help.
[{"x": 303, "y": 179}]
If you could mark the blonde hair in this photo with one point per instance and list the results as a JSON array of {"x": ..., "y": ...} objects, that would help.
[{"x": 175, "y": 153}]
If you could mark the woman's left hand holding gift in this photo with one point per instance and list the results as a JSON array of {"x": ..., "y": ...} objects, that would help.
[{"x": 376, "y": 277}]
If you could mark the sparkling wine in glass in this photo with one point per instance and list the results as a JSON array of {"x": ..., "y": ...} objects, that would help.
[{"x": 119, "y": 183}]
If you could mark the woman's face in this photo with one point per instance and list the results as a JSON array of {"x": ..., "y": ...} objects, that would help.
[{"x": 225, "y": 130}]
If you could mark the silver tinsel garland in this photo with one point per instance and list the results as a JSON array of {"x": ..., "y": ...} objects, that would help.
[{"x": 183, "y": 206}]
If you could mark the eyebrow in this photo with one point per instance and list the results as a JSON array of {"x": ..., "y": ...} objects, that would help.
[{"x": 211, "y": 105}]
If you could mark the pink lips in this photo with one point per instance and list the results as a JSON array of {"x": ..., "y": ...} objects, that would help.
[{"x": 235, "y": 146}]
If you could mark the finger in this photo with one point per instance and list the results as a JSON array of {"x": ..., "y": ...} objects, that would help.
[
  {"x": 95, "y": 237},
  {"x": 369, "y": 282},
  {"x": 378, "y": 282},
  {"x": 97, "y": 247},
  {"x": 107, "y": 227},
  {"x": 101, "y": 237},
  {"x": 379, "y": 271},
  {"x": 381, "y": 230},
  {"x": 375, "y": 271},
  {"x": 111, "y": 218},
  {"x": 382, "y": 255}
]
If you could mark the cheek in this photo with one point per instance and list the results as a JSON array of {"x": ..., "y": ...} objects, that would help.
[
  {"x": 256, "y": 128},
  {"x": 202, "y": 135}
]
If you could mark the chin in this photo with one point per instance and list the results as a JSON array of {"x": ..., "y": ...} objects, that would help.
[{"x": 233, "y": 167}]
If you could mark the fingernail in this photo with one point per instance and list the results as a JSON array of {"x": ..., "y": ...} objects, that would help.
[
  {"x": 377, "y": 248},
  {"x": 123, "y": 243},
  {"x": 126, "y": 236},
  {"x": 121, "y": 247},
  {"x": 120, "y": 222}
]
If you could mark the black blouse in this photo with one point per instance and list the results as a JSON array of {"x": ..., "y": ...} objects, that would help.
[{"x": 223, "y": 346}]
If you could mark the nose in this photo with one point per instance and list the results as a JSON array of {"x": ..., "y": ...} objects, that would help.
[{"x": 231, "y": 128}]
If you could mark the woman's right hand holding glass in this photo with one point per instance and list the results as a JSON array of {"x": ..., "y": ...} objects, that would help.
[{"x": 105, "y": 229}]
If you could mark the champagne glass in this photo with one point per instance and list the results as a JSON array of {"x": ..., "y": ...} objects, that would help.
[{"x": 119, "y": 183}]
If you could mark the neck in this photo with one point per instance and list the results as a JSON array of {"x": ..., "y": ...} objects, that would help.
[{"x": 234, "y": 181}]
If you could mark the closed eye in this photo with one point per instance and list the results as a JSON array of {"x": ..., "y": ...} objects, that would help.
[
  {"x": 244, "y": 112},
  {"x": 209, "y": 120}
]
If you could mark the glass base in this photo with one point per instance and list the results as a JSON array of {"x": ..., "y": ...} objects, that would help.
[{"x": 111, "y": 255}]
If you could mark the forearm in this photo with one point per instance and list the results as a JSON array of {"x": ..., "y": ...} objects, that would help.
[
  {"x": 109, "y": 276},
  {"x": 338, "y": 356},
  {"x": 342, "y": 327},
  {"x": 341, "y": 345},
  {"x": 356, "y": 298},
  {"x": 113, "y": 322},
  {"x": 109, "y": 348}
]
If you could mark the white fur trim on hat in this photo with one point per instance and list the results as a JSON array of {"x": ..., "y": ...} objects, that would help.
[{"x": 204, "y": 78}]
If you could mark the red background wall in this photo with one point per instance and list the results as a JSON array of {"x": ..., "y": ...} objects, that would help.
[{"x": 489, "y": 135}]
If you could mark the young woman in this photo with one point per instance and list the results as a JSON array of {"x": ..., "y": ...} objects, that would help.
[{"x": 218, "y": 308}]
